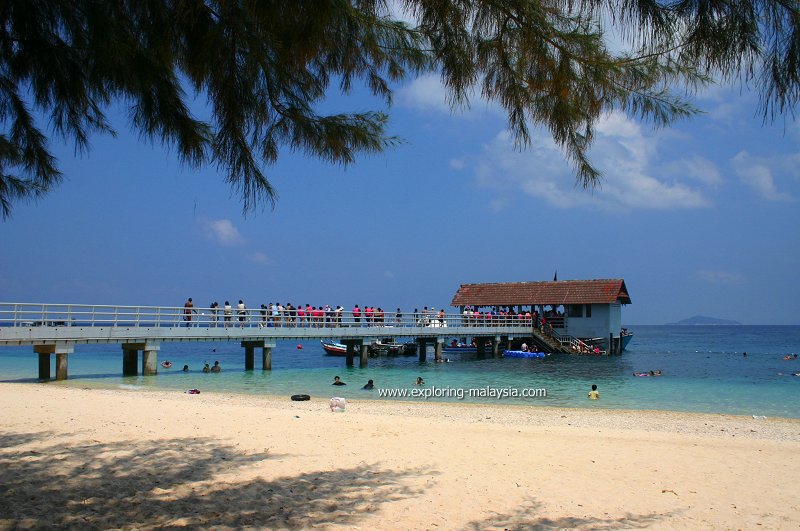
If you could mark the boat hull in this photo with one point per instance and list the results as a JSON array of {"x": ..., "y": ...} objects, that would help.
[
  {"x": 334, "y": 349},
  {"x": 625, "y": 340},
  {"x": 522, "y": 354}
]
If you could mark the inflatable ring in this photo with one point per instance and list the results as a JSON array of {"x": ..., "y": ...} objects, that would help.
[
  {"x": 166, "y": 364},
  {"x": 300, "y": 398}
]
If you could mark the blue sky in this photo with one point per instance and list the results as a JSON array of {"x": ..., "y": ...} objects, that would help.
[{"x": 699, "y": 218}]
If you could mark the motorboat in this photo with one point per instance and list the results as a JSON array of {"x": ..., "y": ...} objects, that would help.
[
  {"x": 386, "y": 346},
  {"x": 334, "y": 349}
]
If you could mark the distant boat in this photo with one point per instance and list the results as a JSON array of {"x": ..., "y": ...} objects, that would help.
[{"x": 334, "y": 349}]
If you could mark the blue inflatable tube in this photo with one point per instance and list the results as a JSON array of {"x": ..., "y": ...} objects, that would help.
[{"x": 523, "y": 354}]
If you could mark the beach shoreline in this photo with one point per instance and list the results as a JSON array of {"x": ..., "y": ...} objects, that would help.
[{"x": 132, "y": 459}]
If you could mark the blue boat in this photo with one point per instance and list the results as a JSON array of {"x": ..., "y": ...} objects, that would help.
[
  {"x": 467, "y": 348},
  {"x": 522, "y": 354}
]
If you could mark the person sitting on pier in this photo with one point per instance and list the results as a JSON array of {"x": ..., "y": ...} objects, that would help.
[
  {"x": 216, "y": 367},
  {"x": 369, "y": 386},
  {"x": 337, "y": 381}
]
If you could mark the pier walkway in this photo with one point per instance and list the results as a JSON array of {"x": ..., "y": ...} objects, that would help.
[{"x": 55, "y": 329}]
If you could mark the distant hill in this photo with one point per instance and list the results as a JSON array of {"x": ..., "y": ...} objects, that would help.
[{"x": 703, "y": 320}]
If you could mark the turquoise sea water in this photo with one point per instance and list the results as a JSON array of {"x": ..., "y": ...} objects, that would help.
[{"x": 703, "y": 371}]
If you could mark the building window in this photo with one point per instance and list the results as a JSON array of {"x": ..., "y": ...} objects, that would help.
[
  {"x": 575, "y": 310},
  {"x": 588, "y": 310}
]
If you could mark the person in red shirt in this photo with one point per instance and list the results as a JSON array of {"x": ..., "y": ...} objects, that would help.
[{"x": 357, "y": 315}]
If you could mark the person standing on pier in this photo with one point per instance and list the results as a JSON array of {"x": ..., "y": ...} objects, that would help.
[
  {"x": 188, "y": 308},
  {"x": 227, "y": 312},
  {"x": 214, "y": 309},
  {"x": 357, "y": 315},
  {"x": 241, "y": 309}
]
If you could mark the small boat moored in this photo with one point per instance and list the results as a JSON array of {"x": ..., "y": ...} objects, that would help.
[
  {"x": 334, "y": 349},
  {"x": 522, "y": 354},
  {"x": 625, "y": 337},
  {"x": 386, "y": 345}
]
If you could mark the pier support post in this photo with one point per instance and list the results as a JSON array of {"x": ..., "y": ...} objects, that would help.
[
  {"x": 422, "y": 347},
  {"x": 439, "y": 347},
  {"x": 266, "y": 359},
  {"x": 610, "y": 350},
  {"x": 508, "y": 345},
  {"x": 150, "y": 359},
  {"x": 249, "y": 354},
  {"x": 44, "y": 365},
  {"x": 480, "y": 343},
  {"x": 130, "y": 357},
  {"x": 61, "y": 365},
  {"x": 61, "y": 350},
  {"x": 496, "y": 347},
  {"x": 355, "y": 346},
  {"x": 249, "y": 357}
]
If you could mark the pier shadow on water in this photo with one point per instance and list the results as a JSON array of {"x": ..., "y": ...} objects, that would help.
[{"x": 177, "y": 483}]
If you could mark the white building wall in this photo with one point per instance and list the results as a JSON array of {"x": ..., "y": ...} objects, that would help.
[{"x": 606, "y": 319}]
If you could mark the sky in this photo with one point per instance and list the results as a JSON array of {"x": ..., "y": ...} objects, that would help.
[{"x": 699, "y": 219}]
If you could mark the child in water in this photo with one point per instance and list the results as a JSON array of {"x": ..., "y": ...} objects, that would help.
[{"x": 594, "y": 394}]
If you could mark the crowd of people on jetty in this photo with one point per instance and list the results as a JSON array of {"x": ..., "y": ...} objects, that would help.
[{"x": 275, "y": 314}]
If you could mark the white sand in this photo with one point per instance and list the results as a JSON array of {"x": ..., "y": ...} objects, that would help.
[{"x": 105, "y": 459}]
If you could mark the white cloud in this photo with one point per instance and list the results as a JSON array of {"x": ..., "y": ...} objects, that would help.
[
  {"x": 398, "y": 11},
  {"x": 698, "y": 168},
  {"x": 457, "y": 164},
  {"x": 259, "y": 258},
  {"x": 425, "y": 93},
  {"x": 223, "y": 232},
  {"x": 757, "y": 174},
  {"x": 719, "y": 277},
  {"x": 621, "y": 150}
]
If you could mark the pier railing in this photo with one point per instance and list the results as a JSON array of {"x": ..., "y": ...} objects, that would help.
[{"x": 32, "y": 315}]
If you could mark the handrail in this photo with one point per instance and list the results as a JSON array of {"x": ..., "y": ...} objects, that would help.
[{"x": 94, "y": 315}]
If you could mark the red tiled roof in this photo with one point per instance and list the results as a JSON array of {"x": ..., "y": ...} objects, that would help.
[{"x": 557, "y": 292}]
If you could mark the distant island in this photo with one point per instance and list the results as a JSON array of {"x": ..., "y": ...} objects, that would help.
[{"x": 703, "y": 320}]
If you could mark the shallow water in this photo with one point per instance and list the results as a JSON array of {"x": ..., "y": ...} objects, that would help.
[{"x": 703, "y": 371}]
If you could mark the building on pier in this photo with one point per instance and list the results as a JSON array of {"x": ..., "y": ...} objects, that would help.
[{"x": 582, "y": 313}]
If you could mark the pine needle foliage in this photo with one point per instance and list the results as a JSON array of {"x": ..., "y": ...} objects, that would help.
[{"x": 264, "y": 67}]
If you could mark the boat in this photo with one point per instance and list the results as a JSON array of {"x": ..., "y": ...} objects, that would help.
[
  {"x": 522, "y": 354},
  {"x": 410, "y": 348},
  {"x": 460, "y": 348},
  {"x": 334, "y": 349},
  {"x": 625, "y": 337},
  {"x": 386, "y": 346}
]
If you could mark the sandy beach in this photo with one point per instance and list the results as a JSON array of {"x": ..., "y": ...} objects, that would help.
[{"x": 101, "y": 459}]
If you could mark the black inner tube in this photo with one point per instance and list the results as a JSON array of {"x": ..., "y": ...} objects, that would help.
[{"x": 300, "y": 398}]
